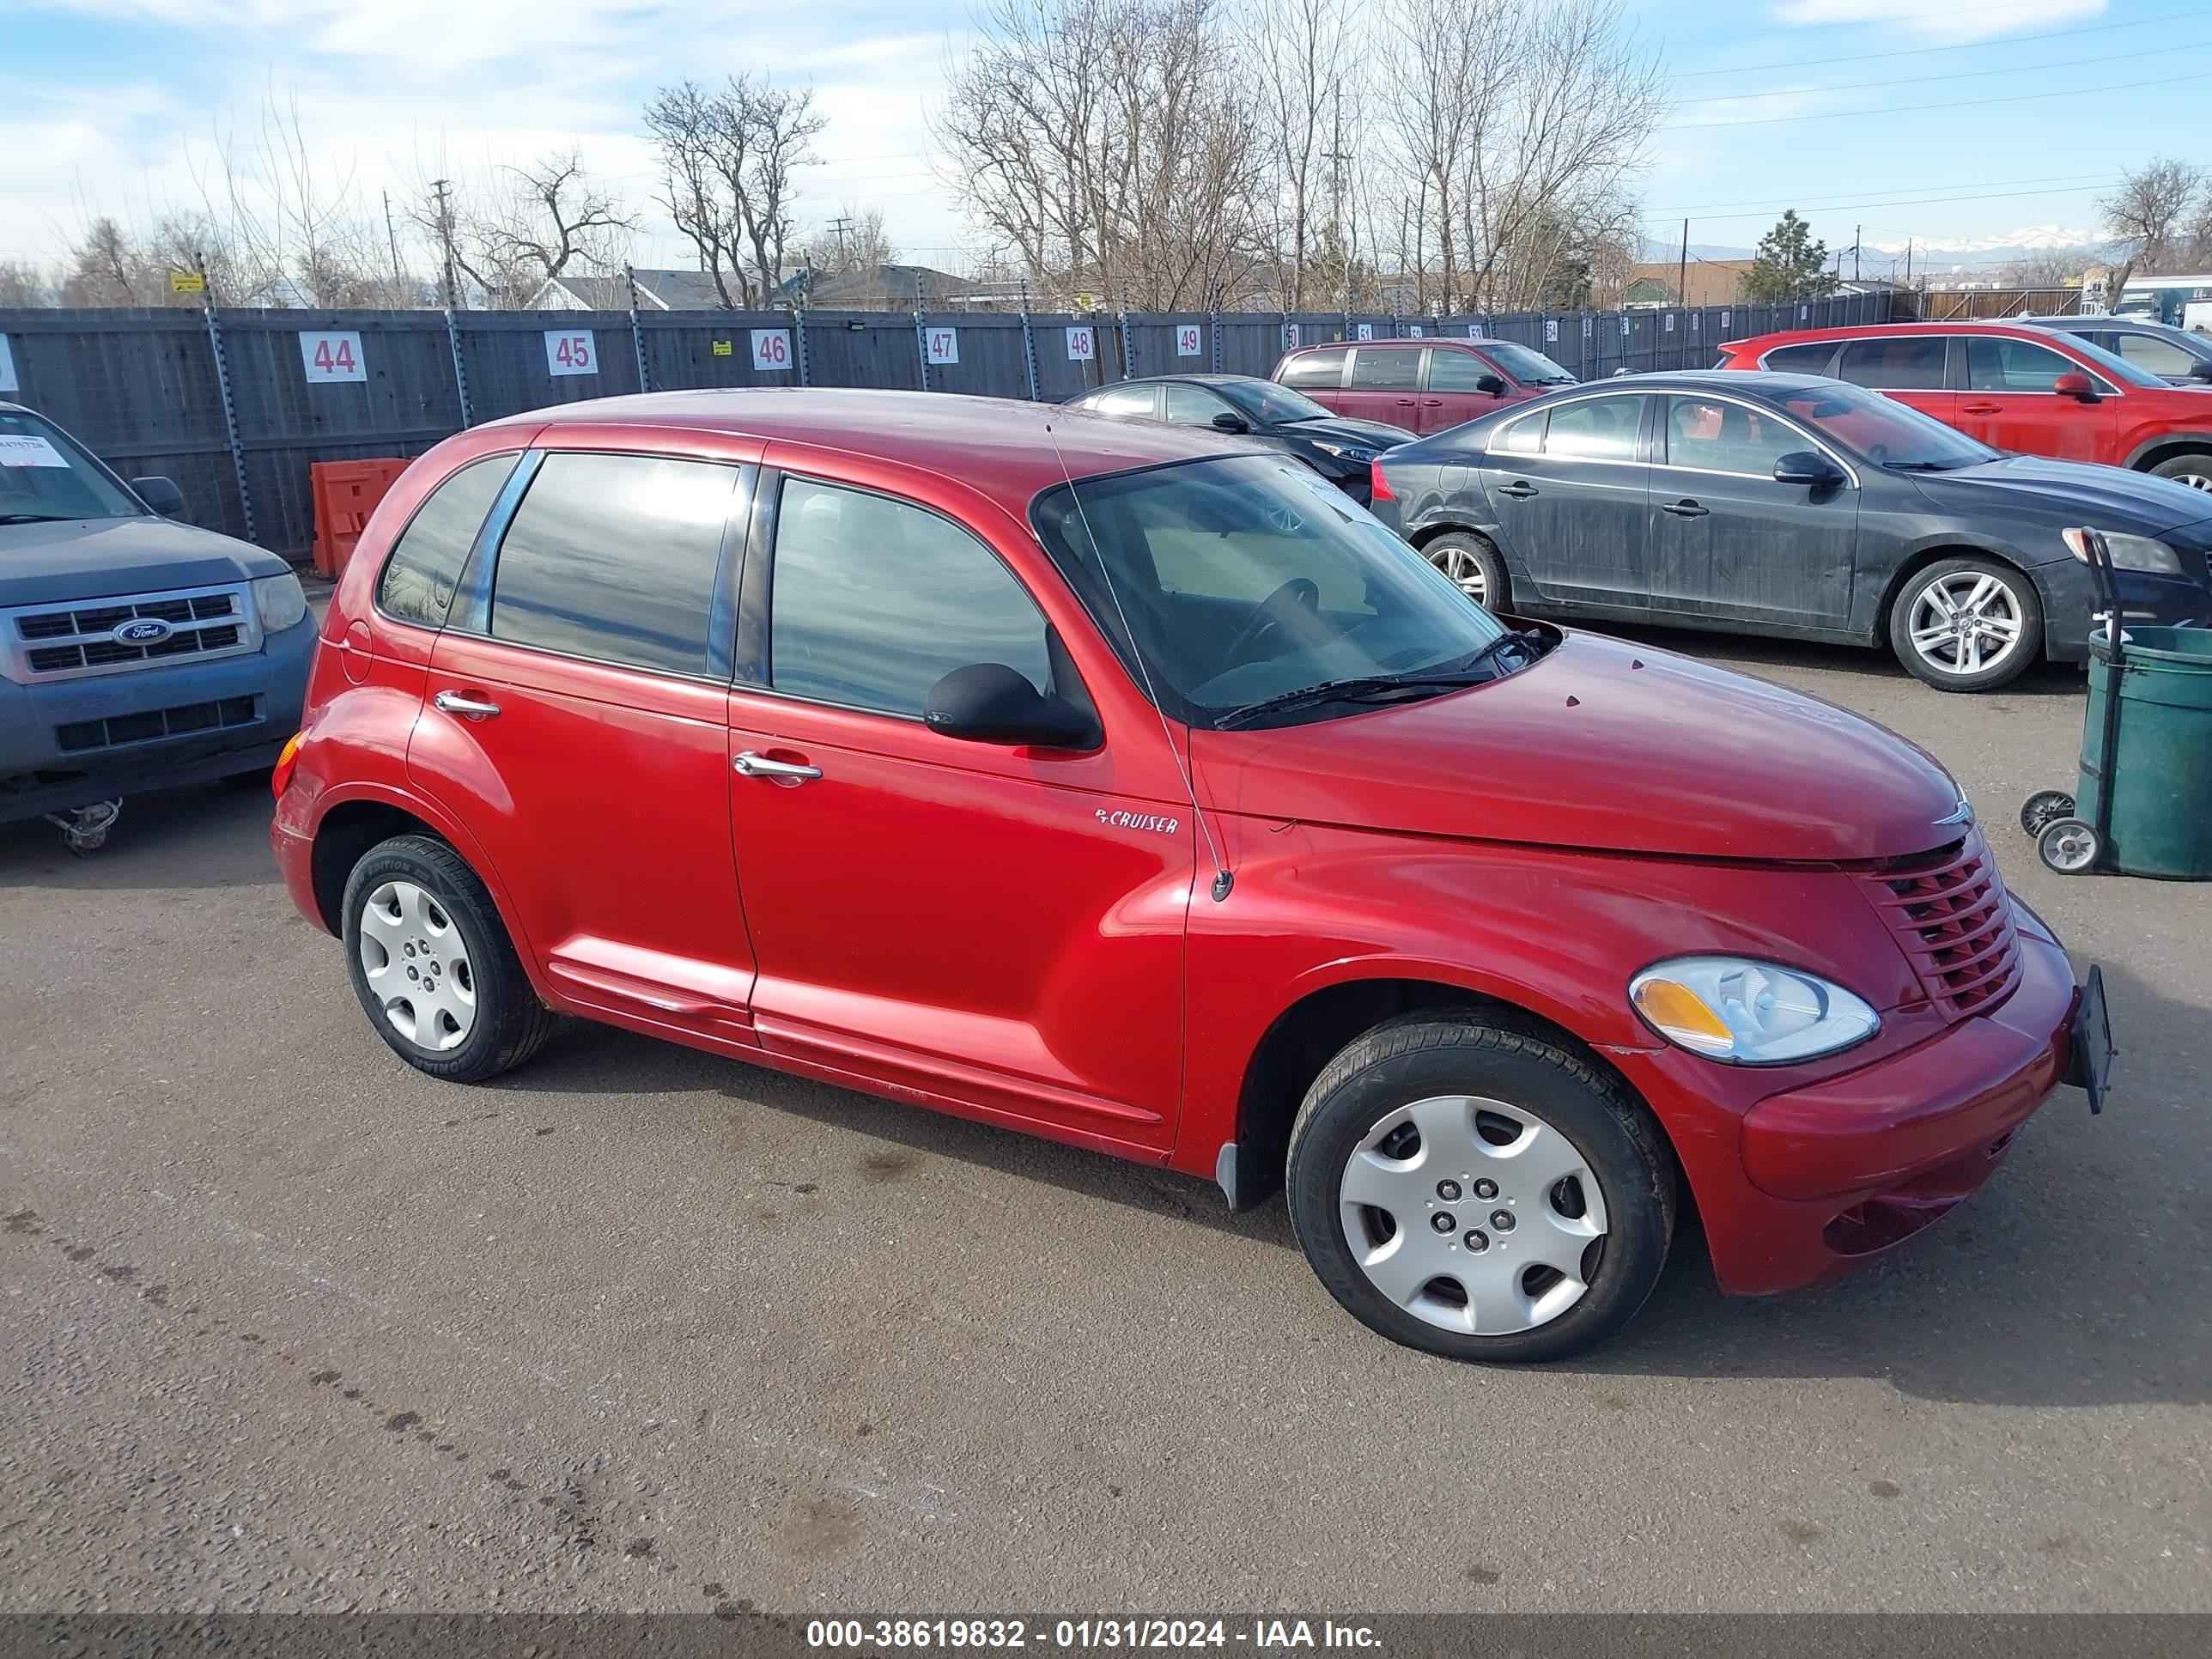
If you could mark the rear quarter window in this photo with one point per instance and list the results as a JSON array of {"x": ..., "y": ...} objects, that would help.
[
  {"x": 419, "y": 577},
  {"x": 1812, "y": 358}
]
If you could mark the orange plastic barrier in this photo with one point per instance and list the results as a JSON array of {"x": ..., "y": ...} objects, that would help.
[{"x": 346, "y": 493}]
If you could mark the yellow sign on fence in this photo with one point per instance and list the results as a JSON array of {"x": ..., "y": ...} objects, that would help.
[
  {"x": 187, "y": 282},
  {"x": 721, "y": 348}
]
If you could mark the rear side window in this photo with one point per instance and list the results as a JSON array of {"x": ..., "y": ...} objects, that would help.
[
  {"x": 1599, "y": 430},
  {"x": 1811, "y": 359},
  {"x": 1128, "y": 403},
  {"x": 420, "y": 576},
  {"x": 613, "y": 557},
  {"x": 1456, "y": 371},
  {"x": 873, "y": 601},
  {"x": 1913, "y": 363},
  {"x": 1311, "y": 368},
  {"x": 1384, "y": 368}
]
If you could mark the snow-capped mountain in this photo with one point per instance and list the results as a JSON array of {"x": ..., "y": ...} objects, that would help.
[{"x": 2032, "y": 238}]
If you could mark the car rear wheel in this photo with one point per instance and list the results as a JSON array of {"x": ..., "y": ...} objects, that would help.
[
  {"x": 1966, "y": 624},
  {"x": 2195, "y": 471},
  {"x": 1476, "y": 1190},
  {"x": 433, "y": 964},
  {"x": 1473, "y": 565}
]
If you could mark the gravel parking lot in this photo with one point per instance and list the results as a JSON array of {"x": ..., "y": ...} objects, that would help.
[{"x": 289, "y": 1326}]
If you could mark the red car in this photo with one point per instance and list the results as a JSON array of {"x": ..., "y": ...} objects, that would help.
[
  {"x": 2026, "y": 390},
  {"x": 1427, "y": 385},
  {"x": 1124, "y": 785}
]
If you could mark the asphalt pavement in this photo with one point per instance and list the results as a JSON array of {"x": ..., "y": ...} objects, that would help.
[{"x": 288, "y": 1325}]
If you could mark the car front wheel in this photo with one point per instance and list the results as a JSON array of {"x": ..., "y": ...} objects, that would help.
[
  {"x": 1476, "y": 1190},
  {"x": 1966, "y": 624},
  {"x": 2195, "y": 471}
]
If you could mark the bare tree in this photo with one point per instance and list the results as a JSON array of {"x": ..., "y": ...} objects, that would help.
[
  {"x": 22, "y": 284},
  {"x": 107, "y": 268},
  {"x": 2148, "y": 209},
  {"x": 728, "y": 165},
  {"x": 522, "y": 227},
  {"x": 1440, "y": 106},
  {"x": 855, "y": 241},
  {"x": 1305, "y": 58}
]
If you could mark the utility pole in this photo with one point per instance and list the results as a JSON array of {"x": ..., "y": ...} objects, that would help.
[
  {"x": 445, "y": 237},
  {"x": 399, "y": 280},
  {"x": 1682, "y": 270},
  {"x": 1336, "y": 157},
  {"x": 839, "y": 225},
  {"x": 1858, "y": 235}
]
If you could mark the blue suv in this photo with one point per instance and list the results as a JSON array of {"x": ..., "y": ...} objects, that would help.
[{"x": 135, "y": 652}]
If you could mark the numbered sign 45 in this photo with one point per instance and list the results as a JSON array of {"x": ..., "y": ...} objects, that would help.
[
  {"x": 771, "y": 350},
  {"x": 942, "y": 346},
  {"x": 571, "y": 351},
  {"x": 328, "y": 357},
  {"x": 1082, "y": 345},
  {"x": 1189, "y": 338}
]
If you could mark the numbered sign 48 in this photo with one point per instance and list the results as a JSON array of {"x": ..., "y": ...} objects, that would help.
[
  {"x": 328, "y": 357},
  {"x": 1189, "y": 338},
  {"x": 771, "y": 350},
  {"x": 1082, "y": 345},
  {"x": 571, "y": 351},
  {"x": 942, "y": 346},
  {"x": 6, "y": 367}
]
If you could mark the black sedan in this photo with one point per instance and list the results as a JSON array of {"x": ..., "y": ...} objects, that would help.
[
  {"x": 1340, "y": 450},
  {"x": 1791, "y": 504}
]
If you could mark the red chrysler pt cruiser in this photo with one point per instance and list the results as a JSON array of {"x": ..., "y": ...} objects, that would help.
[{"x": 1122, "y": 785}]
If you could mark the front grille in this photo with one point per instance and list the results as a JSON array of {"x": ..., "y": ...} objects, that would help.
[
  {"x": 153, "y": 724},
  {"x": 59, "y": 641},
  {"x": 1949, "y": 910}
]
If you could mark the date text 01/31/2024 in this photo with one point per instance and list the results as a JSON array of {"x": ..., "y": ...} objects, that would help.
[{"x": 1262, "y": 1635}]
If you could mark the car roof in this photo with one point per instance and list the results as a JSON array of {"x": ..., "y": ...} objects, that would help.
[
  {"x": 1884, "y": 330},
  {"x": 1409, "y": 344},
  {"x": 1691, "y": 380},
  {"x": 1201, "y": 377},
  {"x": 995, "y": 445}
]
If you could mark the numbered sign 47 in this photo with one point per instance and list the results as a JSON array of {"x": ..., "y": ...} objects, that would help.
[
  {"x": 772, "y": 350},
  {"x": 1188, "y": 340},
  {"x": 332, "y": 357},
  {"x": 571, "y": 351},
  {"x": 941, "y": 345},
  {"x": 1082, "y": 345}
]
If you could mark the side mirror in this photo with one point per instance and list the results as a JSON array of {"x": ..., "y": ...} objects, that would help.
[
  {"x": 1808, "y": 467},
  {"x": 2201, "y": 369},
  {"x": 1492, "y": 384},
  {"x": 989, "y": 702},
  {"x": 161, "y": 494},
  {"x": 2077, "y": 385},
  {"x": 1225, "y": 422}
]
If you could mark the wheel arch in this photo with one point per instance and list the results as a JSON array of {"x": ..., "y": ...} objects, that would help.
[
  {"x": 2167, "y": 445},
  {"x": 1919, "y": 560},
  {"x": 346, "y": 829}
]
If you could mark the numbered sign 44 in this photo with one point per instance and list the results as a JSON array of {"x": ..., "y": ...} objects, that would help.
[
  {"x": 1188, "y": 340},
  {"x": 571, "y": 351},
  {"x": 941, "y": 345},
  {"x": 332, "y": 357},
  {"x": 771, "y": 350},
  {"x": 1082, "y": 345}
]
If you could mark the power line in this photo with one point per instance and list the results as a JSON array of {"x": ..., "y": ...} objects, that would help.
[
  {"x": 1925, "y": 109},
  {"x": 1922, "y": 51},
  {"x": 2161, "y": 51}
]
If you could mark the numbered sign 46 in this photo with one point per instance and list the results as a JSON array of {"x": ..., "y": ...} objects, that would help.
[
  {"x": 771, "y": 350},
  {"x": 942, "y": 346},
  {"x": 571, "y": 351},
  {"x": 328, "y": 357},
  {"x": 1189, "y": 338},
  {"x": 1082, "y": 345}
]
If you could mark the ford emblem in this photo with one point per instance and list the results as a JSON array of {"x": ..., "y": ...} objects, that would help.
[{"x": 143, "y": 631}]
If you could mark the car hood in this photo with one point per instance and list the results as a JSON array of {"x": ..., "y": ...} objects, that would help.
[
  {"x": 97, "y": 558},
  {"x": 1601, "y": 744},
  {"x": 1359, "y": 432},
  {"x": 2109, "y": 497}
]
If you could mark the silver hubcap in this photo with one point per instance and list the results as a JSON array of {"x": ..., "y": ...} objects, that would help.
[
  {"x": 2194, "y": 480},
  {"x": 417, "y": 966},
  {"x": 1465, "y": 569},
  {"x": 1966, "y": 622},
  {"x": 1472, "y": 1214}
]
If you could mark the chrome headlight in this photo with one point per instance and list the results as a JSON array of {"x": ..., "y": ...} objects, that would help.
[
  {"x": 281, "y": 601},
  {"x": 2129, "y": 552},
  {"x": 1344, "y": 452},
  {"x": 1748, "y": 1013}
]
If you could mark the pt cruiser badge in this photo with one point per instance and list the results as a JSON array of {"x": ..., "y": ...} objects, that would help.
[{"x": 1151, "y": 821}]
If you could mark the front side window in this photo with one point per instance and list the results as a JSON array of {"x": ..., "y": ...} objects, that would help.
[
  {"x": 614, "y": 557},
  {"x": 1386, "y": 368},
  {"x": 1191, "y": 405},
  {"x": 419, "y": 577},
  {"x": 45, "y": 474},
  {"x": 1247, "y": 577},
  {"x": 1910, "y": 362},
  {"x": 1457, "y": 371},
  {"x": 1715, "y": 436},
  {"x": 1315, "y": 369},
  {"x": 1598, "y": 429},
  {"x": 1995, "y": 363},
  {"x": 2160, "y": 357},
  {"x": 873, "y": 601}
]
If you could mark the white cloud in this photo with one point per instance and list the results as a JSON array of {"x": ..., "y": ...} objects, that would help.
[{"x": 1935, "y": 21}]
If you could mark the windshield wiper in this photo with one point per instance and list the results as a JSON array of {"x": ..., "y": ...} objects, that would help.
[
  {"x": 1348, "y": 690},
  {"x": 34, "y": 517}
]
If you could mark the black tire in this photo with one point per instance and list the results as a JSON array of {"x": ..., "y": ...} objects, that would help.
[
  {"x": 2194, "y": 470},
  {"x": 1420, "y": 1056},
  {"x": 2019, "y": 598},
  {"x": 1469, "y": 559},
  {"x": 510, "y": 1022}
]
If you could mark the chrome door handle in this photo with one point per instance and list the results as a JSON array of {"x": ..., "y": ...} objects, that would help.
[
  {"x": 760, "y": 766},
  {"x": 1684, "y": 509},
  {"x": 1981, "y": 408},
  {"x": 468, "y": 708},
  {"x": 1520, "y": 489}
]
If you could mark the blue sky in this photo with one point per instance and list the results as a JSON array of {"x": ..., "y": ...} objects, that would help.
[{"x": 121, "y": 105}]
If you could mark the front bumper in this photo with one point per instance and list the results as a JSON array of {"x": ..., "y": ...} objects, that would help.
[
  {"x": 229, "y": 715},
  {"x": 2147, "y": 599},
  {"x": 1805, "y": 1184}
]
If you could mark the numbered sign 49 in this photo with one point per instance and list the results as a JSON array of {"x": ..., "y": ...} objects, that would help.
[
  {"x": 571, "y": 351},
  {"x": 1189, "y": 338},
  {"x": 1082, "y": 345},
  {"x": 6, "y": 367},
  {"x": 941, "y": 345},
  {"x": 328, "y": 357},
  {"x": 771, "y": 350}
]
